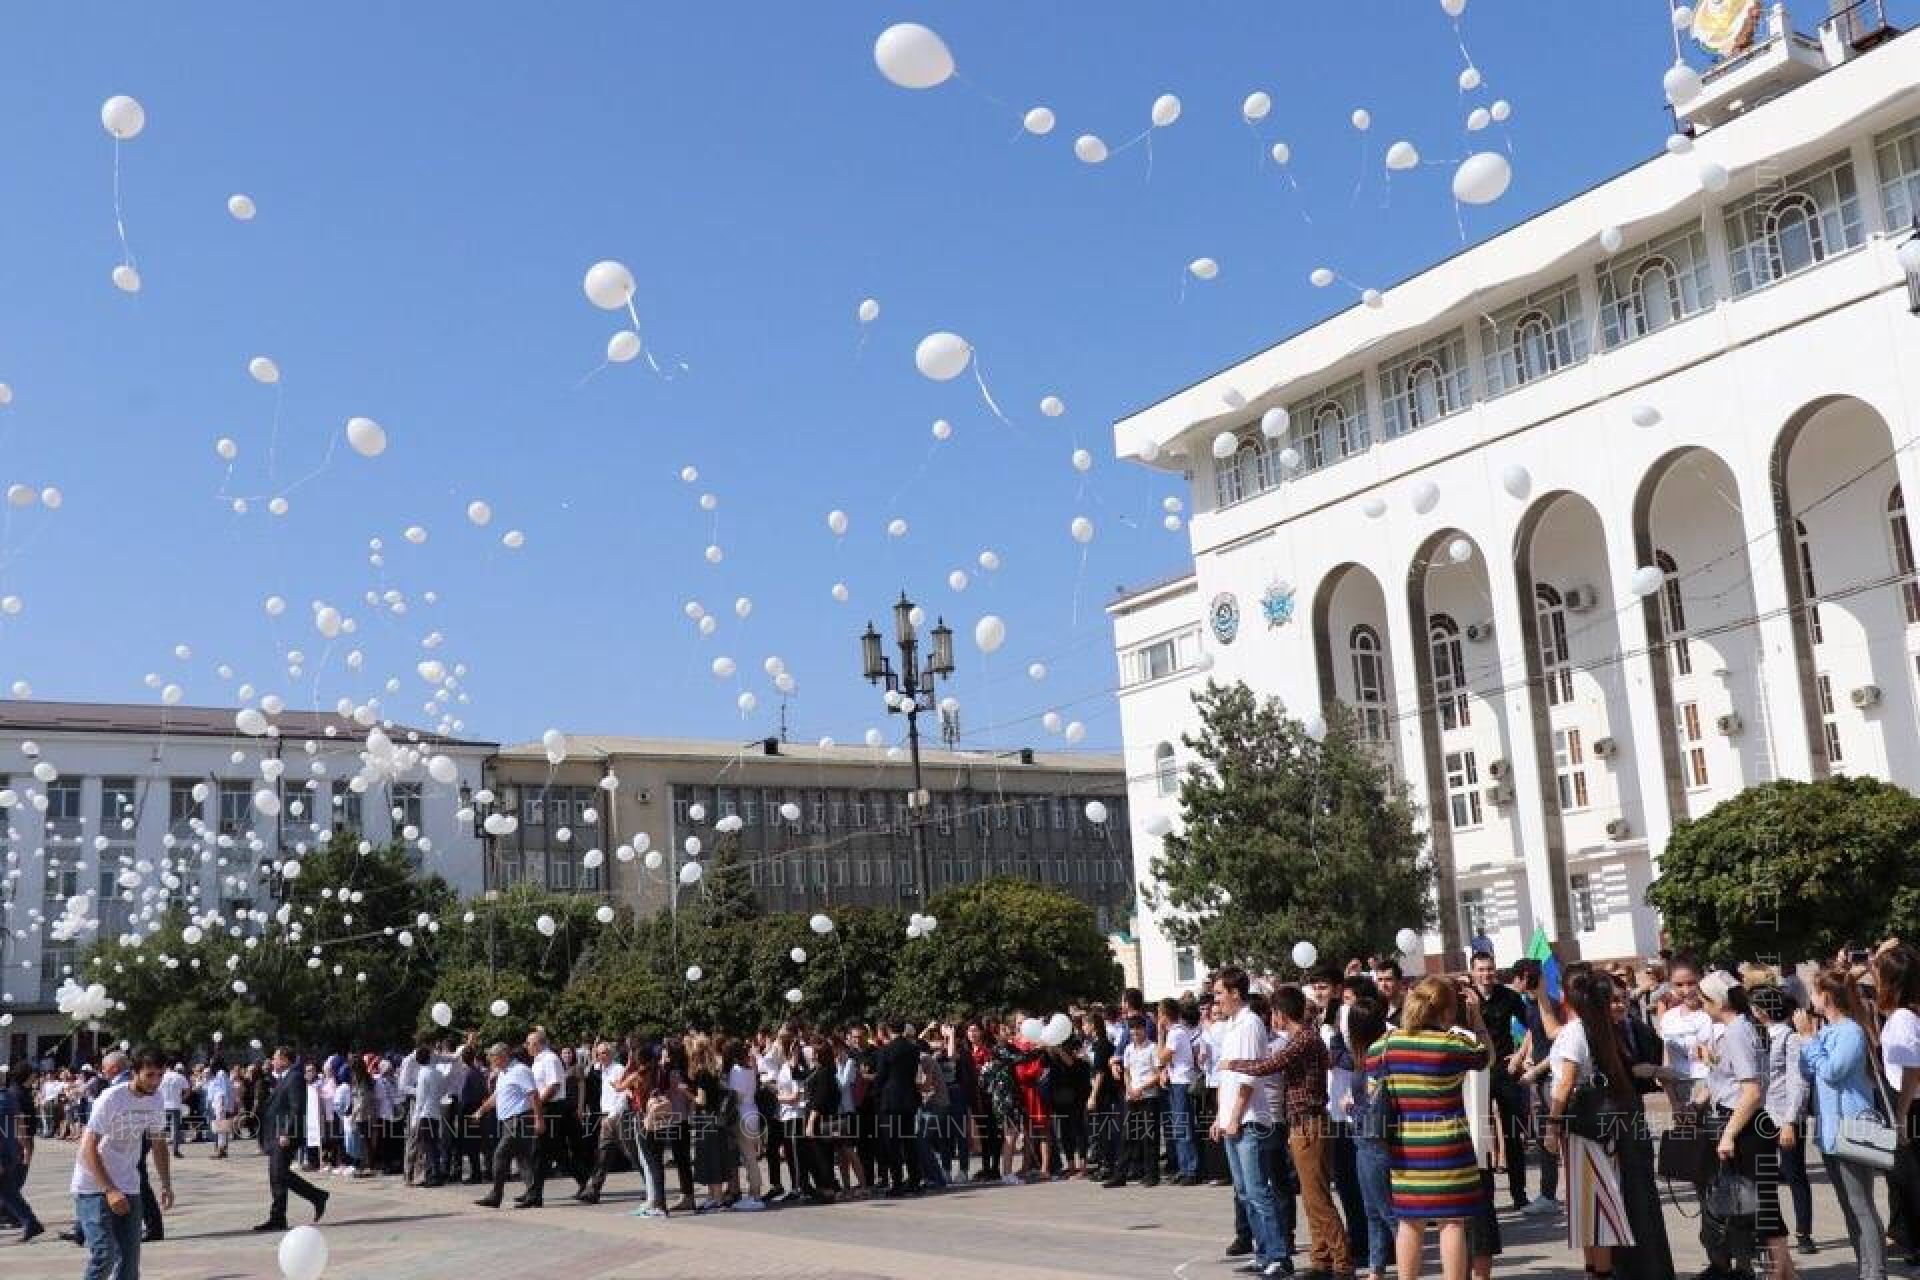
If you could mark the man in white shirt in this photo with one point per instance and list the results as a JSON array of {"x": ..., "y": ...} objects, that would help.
[
  {"x": 427, "y": 1119},
  {"x": 1177, "y": 1060},
  {"x": 173, "y": 1102},
  {"x": 550, "y": 1078},
  {"x": 744, "y": 1081},
  {"x": 219, "y": 1101},
  {"x": 522, "y": 1113},
  {"x": 1246, "y": 1122},
  {"x": 618, "y": 1134},
  {"x": 125, "y": 1119}
]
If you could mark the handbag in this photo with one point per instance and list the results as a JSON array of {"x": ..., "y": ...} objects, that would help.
[
  {"x": 1732, "y": 1194},
  {"x": 1586, "y": 1110},
  {"x": 1869, "y": 1138},
  {"x": 1686, "y": 1149}
]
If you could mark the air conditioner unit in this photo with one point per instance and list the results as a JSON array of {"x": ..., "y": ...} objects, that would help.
[
  {"x": 1605, "y": 748},
  {"x": 1580, "y": 599},
  {"x": 1728, "y": 724},
  {"x": 1498, "y": 769},
  {"x": 1500, "y": 794},
  {"x": 1479, "y": 632},
  {"x": 643, "y": 796},
  {"x": 1619, "y": 829},
  {"x": 1867, "y": 695}
]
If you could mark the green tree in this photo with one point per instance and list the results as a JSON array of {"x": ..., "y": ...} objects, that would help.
[
  {"x": 1001, "y": 944},
  {"x": 1285, "y": 839},
  {"x": 1793, "y": 871}
]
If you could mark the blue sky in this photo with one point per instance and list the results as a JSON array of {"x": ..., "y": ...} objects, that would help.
[{"x": 432, "y": 182}]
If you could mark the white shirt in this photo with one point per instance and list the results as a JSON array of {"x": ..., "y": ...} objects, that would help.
[
  {"x": 743, "y": 1080},
  {"x": 1900, "y": 1044},
  {"x": 173, "y": 1090},
  {"x": 429, "y": 1090},
  {"x": 409, "y": 1076},
  {"x": 513, "y": 1091},
  {"x": 122, "y": 1119},
  {"x": 220, "y": 1094},
  {"x": 1244, "y": 1036},
  {"x": 1682, "y": 1029},
  {"x": 1142, "y": 1068},
  {"x": 1212, "y": 1034},
  {"x": 1571, "y": 1046},
  {"x": 548, "y": 1070},
  {"x": 783, "y": 1085},
  {"x": 1339, "y": 1079},
  {"x": 613, "y": 1097},
  {"x": 384, "y": 1095},
  {"x": 1180, "y": 1054}
]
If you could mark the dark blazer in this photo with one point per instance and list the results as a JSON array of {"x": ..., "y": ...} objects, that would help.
[
  {"x": 286, "y": 1109},
  {"x": 897, "y": 1075}
]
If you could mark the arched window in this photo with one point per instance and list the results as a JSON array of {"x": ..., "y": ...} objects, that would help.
[
  {"x": 1794, "y": 237},
  {"x": 1550, "y": 616},
  {"x": 1166, "y": 775},
  {"x": 1808, "y": 592},
  {"x": 1426, "y": 393},
  {"x": 1369, "y": 681},
  {"x": 1656, "y": 297},
  {"x": 1255, "y": 467},
  {"x": 1333, "y": 431},
  {"x": 1673, "y": 614},
  {"x": 1449, "y": 671},
  {"x": 1228, "y": 487},
  {"x": 1903, "y": 554},
  {"x": 1535, "y": 354}
]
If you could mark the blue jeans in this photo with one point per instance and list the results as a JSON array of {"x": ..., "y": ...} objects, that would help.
[
  {"x": 927, "y": 1146},
  {"x": 1247, "y": 1163},
  {"x": 1180, "y": 1122},
  {"x": 113, "y": 1239},
  {"x": 1376, "y": 1192}
]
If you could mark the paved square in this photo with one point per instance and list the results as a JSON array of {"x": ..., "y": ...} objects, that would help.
[{"x": 381, "y": 1230}]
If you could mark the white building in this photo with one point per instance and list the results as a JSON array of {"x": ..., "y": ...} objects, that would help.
[
  {"x": 1707, "y": 366},
  {"x": 160, "y": 791}
]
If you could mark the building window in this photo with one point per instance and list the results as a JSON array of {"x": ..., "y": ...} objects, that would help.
[
  {"x": 1896, "y": 155},
  {"x": 1646, "y": 288},
  {"x": 1673, "y": 615},
  {"x": 820, "y": 873},
  {"x": 1829, "y": 724},
  {"x": 1463, "y": 790},
  {"x": 1550, "y": 616},
  {"x": 1776, "y": 233},
  {"x": 1426, "y": 384},
  {"x": 1580, "y": 894},
  {"x": 346, "y": 808},
  {"x": 406, "y": 798},
  {"x": 1059, "y": 807},
  {"x": 182, "y": 808},
  {"x": 1534, "y": 338},
  {"x": 1247, "y": 474},
  {"x": 1810, "y": 594},
  {"x": 1570, "y": 770},
  {"x": 236, "y": 803},
  {"x": 1156, "y": 661},
  {"x": 1449, "y": 672},
  {"x": 1369, "y": 682},
  {"x": 1186, "y": 964},
  {"x": 559, "y": 871},
  {"x": 1902, "y": 539},
  {"x": 1473, "y": 912},
  {"x": 116, "y": 803},
  {"x": 906, "y": 871},
  {"x": 840, "y": 872},
  {"x": 1693, "y": 747},
  {"x": 1166, "y": 774},
  {"x": 777, "y": 873}
]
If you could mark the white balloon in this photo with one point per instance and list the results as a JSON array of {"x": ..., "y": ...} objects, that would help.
[
  {"x": 1058, "y": 1031},
  {"x": 723, "y": 666},
  {"x": 795, "y": 995},
  {"x": 694, "y": 973},
  {"x": 1424, "y": 496},
  {"x": 1039, "y": 121},
  {"x": 1460, "y": 551},
  {"x": 1362, "y": 119},
  {"x": 479, "y": 512},
  {"x": 303, "y": 1253},
  {"x": 1501, "y": 109},
  {"x": 1681, "y": 83},
  {"x": 1516, "y": 480},
  {"x": 623, "y": 346},
  {"x": 691, "y": 873},
  {"x": 1314, "y": 726},
  {"x": 498, "y": 1008},
  {"x": 443, "y": 770},
  {"x": 126, "y": 279},
  {"x": 266, "y": 802},
  {"x": 1203, "y": 268},
  {"x": 1166, "y": 109},
  {"x": 263, "y": 369},
  {"x": 1224, "y": 444},
  {"x": 1682, "y": 17},
  {"x": 821, "y": 923},
  {"x": 869, "y": 310},
  {"x": 1646, "y": 580},
  {"x": 1645, "y": 415},
  {"x": 1089, "y": 148},
  {"x": 912, "y": 56},
  {"x": 1678, "y": 144},
  {"x": 747, "y": 702},
  {"x": 1305, "y": 954},
  {"x": 1407, "y": 941},
  {"x": 608, "y": 285},
  {"x": 798, "y": 955},
  {"x": 1714, "y": 176},
  {"x": 1289, "y": 458},
  {"x": 1454, "y": 8},
  {"x": 1082, "y": 460},
  {"x": 442, "y": 1013},
  {"x": 1096, "y": 813},
  {"x": 123, "y": 117},
  {"x": 555, "y": 744},
  {"x": 1373, "y": 506},
  {"x": 1256, "y": 105},
  {"x": 241, "y": 207},
  {"x": 957, "y": 580},
  {"x": 368, "y": 438},
  {"x": 942, "y": 356},
  {"x": 1158, "y": 825},
  {"x": 546, "y": 925},
  {"x": 226, "y": 448},
  {"x": 1082, "y": 530},
  {"x": 1482, "y": 178},
  {"x": 840, "y": 592},
  {"x": 942, "y": 429},
  {"x": 1469, "y": 79},
  {"x": 1037, "y": 670},
  {"x": 897, "y": 527},
  {"x": 1075, "y": 731},
  {"x": 1402, "y": 155},
  {"x": 1280, "y": 152},
  {"x": 603, "y": 913},
  {"x": 249, "y": 721},
  {"x": 1478, "y": 119},
  {"x": 1611, "y": 239},
  {"x": 1273, "y": 423},
  {"x": 989, "y": 633},
  {"x": 989, "y": 560},
  {"x": 742, "y": 606}
]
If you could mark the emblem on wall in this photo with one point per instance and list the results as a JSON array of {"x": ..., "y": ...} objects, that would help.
[
  {"x": 1225, "y": 616},
  {"x": 1277, "y": 604}
]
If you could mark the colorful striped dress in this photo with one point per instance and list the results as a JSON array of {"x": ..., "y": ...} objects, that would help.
[{"x": 1429, "y": 1141}]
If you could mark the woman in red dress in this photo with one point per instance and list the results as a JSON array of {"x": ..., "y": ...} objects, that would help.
[{"x": 1030, "y": 1074}]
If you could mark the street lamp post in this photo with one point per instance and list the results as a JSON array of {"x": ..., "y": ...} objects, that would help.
[{"x": 910, "y": 692}]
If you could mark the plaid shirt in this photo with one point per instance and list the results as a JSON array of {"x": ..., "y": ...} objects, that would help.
[{"x": 1302, "y": 1066}]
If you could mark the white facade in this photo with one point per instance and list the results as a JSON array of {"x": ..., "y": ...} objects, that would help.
[
  {"x": 124, "y": 800},
  {"x": 1473, "y": 471}
]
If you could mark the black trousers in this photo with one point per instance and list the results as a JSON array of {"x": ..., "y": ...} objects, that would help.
[
  {"x": 1510, "y": 1101},
  {"x": 152, "y": 1225},
  {"x": 517, "y": 1139},
  {"x": 900, "y": 1148},
  {"x": 1146, "y": 1117},
  {"x": 775, "y": 1131},
  {"x": 283, "y": 1177}
]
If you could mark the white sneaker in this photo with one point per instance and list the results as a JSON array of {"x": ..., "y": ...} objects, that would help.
[
  {"x": 1541, "y": 1207},
  {"x": 1011, "y": 1180},
  {"x": 747, "y": 1204}
]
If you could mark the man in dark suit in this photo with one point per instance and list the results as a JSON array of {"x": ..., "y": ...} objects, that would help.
[
  {"x": 897, "y": 1080},
  {"x": 286, "y": 1112}
]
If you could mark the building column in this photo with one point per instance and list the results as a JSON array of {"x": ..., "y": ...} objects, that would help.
[
  {"x": 1780, "y": 683},
  {"x": 1415, "y": 722},
  {"x": 1643, "y": 671}
]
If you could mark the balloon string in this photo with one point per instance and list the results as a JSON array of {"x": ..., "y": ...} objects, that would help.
[
  {"x": 119, "y": 220},
  {"x": 985, "y": 394},
  {"x": 273, "y": 436}
]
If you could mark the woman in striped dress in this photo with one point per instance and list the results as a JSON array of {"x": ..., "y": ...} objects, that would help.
[{"x": 1435, "y": 1176}]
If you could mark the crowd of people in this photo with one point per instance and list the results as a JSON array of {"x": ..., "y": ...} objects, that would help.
[{"x": 1348, "y": 1112}]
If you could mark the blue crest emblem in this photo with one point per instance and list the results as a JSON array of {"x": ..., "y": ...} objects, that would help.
[
  {"x": 1277, "y": 604},
  {"x": 1225, "y": 617}
]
